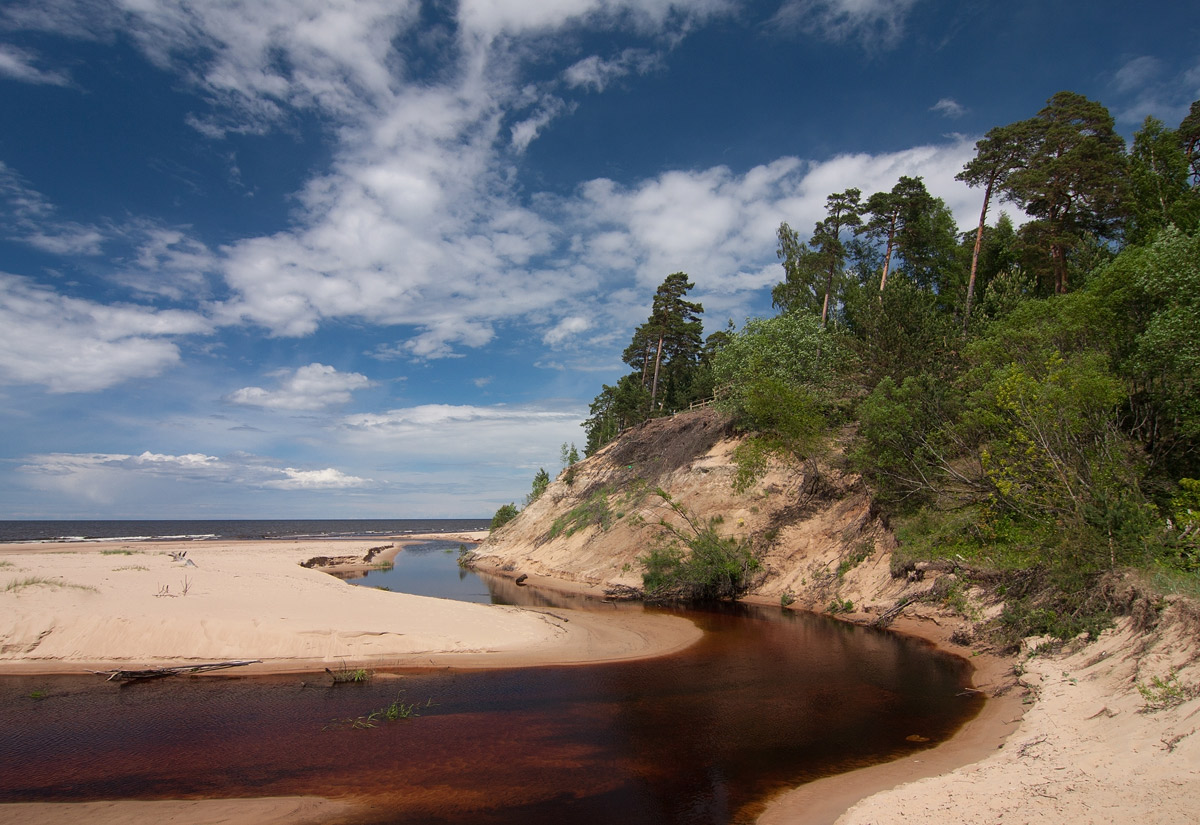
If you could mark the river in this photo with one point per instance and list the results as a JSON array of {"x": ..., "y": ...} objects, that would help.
[{"x": 766, "y": 700}]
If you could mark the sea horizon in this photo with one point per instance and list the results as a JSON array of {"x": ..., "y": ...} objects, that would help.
[{"x": 87, "y": 530}]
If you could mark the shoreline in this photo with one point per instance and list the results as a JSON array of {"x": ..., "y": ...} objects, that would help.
[
  {"x": 824, "y": 801},
  {"x": 1085, "y": 698}
]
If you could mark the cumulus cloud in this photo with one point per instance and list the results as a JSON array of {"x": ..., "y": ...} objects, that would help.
[
  {"x": 314, "y": 387},
  {"x": 417, "y": 222},
  {"x": 566, "y": 328},
  {"x": 327, "y": 479},
  {"x": 874, "y": 22},
  {"x": 75, "y": 345}
]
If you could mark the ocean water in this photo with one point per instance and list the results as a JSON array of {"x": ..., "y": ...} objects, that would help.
[{"x": 194, "y": 530}]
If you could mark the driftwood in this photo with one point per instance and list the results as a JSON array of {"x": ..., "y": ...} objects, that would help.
[
  {"x": 160, "y": 672},
  {"x": 888, "y": 616}
]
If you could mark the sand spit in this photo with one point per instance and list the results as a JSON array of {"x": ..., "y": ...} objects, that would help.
[{"x": 73, "y": 608}]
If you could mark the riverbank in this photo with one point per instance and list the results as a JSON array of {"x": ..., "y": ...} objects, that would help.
[
  {"x": 1104, "y": 732},
  {"x": 1086, "y": 748}
]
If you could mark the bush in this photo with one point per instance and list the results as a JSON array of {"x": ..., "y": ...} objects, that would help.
[
  {"x": 712, "y": 568},
  {"x": 503, "y": 516}
]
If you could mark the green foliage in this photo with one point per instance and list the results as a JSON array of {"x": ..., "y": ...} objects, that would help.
[
  {"x": 505, "y": 514},
  {"x": 1161, "y": 194},
  {"x": 776, "y": 379},
  {"x": 1161, "y": 693},
  {"x": 1072, "y": 180},
  {"x": 350, "y": 675},
  {"x": 595, "y": 511},
  {"x": 909, "y": 442},
  {"x": 568, "y": 455},
  {"x": 900, "y": 332},
  {"x": 694, "y": 563},
  {"x": 856, "y": 557},
  {"x": 791, "y": 348},
  {"x": 541, "y": 480},
  {"x": 670, "y": 363}
]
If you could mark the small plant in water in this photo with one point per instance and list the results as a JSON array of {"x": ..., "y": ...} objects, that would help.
[
  {"x": 398, "y": 709},
  {"x": 38, "y": 693}
]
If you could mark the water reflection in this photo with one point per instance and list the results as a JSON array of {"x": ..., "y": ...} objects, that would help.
[{"x": 765, "y": 700}]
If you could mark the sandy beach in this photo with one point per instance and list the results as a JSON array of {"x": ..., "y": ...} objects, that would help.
[
  {"x": 1067, "y": 735},
  {"x": 109, "y": 605}
]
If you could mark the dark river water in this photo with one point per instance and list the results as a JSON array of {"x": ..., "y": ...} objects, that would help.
[{"x": 766, "y": 700}]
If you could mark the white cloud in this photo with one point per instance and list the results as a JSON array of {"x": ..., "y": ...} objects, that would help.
[
  {"x": 27, "y": 216},
  {"x": 495, "y": 18},
  {"x": 874, "y": 22},
  {"x": 327, "y": 479},
  {"x": 566, "y": 328},
  {"x": 18, "y": 64},
  {"x": 169, "y": 263},
  {"x": 313, "y": 387},
  {"x": 1144, "y": 87},
  {"x": 75, "y": 345},
  {"x": 501, "y": 435},
  {"x": 948, "y": 107},
  {"x": 719, "y": 227},
  {"x": 112, "y": 477},
  {"x": 596, "y": 73},
  {"x": 418, "y": 223},
  {"x": 526, "y": 131}
]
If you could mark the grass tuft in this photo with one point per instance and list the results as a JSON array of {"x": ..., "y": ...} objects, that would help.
[{"x": 36, "y": 581}]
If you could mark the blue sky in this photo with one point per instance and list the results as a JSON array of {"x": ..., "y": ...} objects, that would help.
[{"x": 373, "y": 258}]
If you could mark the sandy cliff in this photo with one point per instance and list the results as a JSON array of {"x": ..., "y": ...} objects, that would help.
[{"x": 1102, "y": 731}]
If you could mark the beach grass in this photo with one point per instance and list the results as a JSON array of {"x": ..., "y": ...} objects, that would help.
[{"x": 41, "y": 581}]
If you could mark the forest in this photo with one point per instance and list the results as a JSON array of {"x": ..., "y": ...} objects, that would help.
[{"x": 1022, "y": 400}]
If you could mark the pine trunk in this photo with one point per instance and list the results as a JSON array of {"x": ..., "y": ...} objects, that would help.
[
  {"x": 657, "y": 361},
  {"x": 987, "y": 196}
]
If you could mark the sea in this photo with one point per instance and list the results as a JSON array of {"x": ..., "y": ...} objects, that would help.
[{"x": 213, "y": 529}]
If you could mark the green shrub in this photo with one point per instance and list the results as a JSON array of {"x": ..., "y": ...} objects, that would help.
[
  {"x": 596, "y": 511},
  {"x": 503, "y": 516},
  {"x": 693, "y": 563}
]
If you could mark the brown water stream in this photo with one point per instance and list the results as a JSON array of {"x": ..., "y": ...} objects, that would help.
[{"x": 768, "y": 699}]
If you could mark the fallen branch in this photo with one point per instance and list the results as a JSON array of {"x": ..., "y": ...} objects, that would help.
[{"x": 160, "y": 672}]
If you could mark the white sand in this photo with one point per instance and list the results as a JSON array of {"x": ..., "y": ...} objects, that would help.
[
  {"x": 1088, "y": 749},
  {"x": 94, "y": 607}
]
